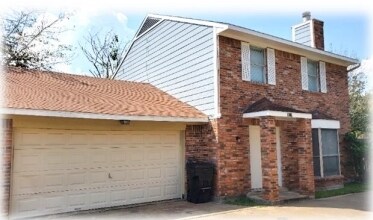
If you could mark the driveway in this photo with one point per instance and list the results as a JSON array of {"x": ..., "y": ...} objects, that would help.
[{"x": 352, "y": 206}]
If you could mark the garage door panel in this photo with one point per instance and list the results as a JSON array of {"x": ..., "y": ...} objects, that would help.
[
  {"x": 55, "y": 139},
  {"x": 78, "y": 138},
  {"x": 68, "y": 170},
  {"x": 27, "y": 160},
  {"x": 119, "y": 175},
  {"x": 55, "y": 203},
  {"x": 119, "y": 197},
  {"x": 98, "y": 178},
  {"x": 77, "y": 201},
  {"x": 76, "y": 180},
  {"x": 155, "y": 173},
  {"x": 29, "y": 139}
]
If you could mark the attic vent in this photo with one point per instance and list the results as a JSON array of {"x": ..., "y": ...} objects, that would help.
[{"x": 149, "y": 22}]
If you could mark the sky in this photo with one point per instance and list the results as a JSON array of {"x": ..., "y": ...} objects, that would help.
[{"x": 347, "y": 26}]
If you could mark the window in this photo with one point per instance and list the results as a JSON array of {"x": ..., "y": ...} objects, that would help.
[
  {"x": 325, "y": 152},
  {"x": 313, "y": 76},
  {"x": 258, "y": 65}
]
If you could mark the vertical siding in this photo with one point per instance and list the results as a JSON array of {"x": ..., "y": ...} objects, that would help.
[{"x": 177, "y": 58}]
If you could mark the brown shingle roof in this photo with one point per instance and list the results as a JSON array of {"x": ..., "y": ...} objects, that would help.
[
  {"x": 265, "y": 104},
  {"x": 41, "y": 90}
]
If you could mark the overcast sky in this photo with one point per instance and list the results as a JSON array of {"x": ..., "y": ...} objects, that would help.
[{"x": 347, "y": 26}]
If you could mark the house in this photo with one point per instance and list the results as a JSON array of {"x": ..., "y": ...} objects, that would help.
[
  {"x": 268, "y": 112},
  {"x": 74, "y": 143},
  {"x": 278, "y": 109}
]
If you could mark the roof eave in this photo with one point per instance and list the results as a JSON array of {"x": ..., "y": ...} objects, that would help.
[
  {"x": 85, "y": 115},
  {"x": 265, "y": 40}
]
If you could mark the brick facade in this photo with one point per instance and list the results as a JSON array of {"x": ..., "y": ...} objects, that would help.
[
  {"x": 269, "y": 158},
  {"x": 7, "y": 137},
  {"x": 229, "y": 143},
  {"x": 318, "y": 30}
]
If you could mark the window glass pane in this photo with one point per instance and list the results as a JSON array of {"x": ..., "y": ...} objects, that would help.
[
  {"x": 257, "y": 74},
  {"x": 313, "y": 78},
  {"x": 315, "y": 142},
  {"x": 257, "y": 56},
  {"x": 329, "y": 142},
  {"x": 316, "y": 166},
  {"x": 312, "y": 84},
  {"x": 311, "y": 68},
  {"x": 331, "y": 165}
]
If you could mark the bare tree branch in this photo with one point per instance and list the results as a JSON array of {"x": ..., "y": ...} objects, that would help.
[
  {"x": 31, "y": 40},
  {"x": 104, "y": 53}
]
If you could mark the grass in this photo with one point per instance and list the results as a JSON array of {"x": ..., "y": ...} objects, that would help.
[
  {"x": 242, "y": 201},
  {"x": 348, "y": 188}
]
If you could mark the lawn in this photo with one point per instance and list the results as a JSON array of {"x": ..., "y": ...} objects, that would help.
[{"x": 348, "y": 188}]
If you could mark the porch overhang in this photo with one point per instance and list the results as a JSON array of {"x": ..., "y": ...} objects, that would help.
[
  {"x": 324, "y": 123},
  {"x": 278, "y": 114}
]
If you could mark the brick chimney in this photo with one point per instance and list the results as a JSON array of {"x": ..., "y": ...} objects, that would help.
[{"x": 310, "y": 32}]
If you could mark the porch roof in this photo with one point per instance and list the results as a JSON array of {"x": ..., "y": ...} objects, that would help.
[{"x": 264, "y": 107}]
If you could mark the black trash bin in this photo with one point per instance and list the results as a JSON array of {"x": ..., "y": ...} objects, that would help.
[{"x": 200, "y": 181}]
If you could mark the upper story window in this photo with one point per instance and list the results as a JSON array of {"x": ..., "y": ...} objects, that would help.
[
  {"x": 258, "y": 64},
  {"x": 313, "y": 75},
  {"x": 325, "y": 152}
]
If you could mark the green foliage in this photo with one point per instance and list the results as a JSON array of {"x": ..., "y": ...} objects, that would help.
[
  {"x": 359, "y": 100},
  {"x": 347, "y": 189},
  {"x": 358, "y": 153}
]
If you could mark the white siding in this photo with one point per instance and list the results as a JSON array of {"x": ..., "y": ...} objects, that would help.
[{"x": 178, "y": 58}]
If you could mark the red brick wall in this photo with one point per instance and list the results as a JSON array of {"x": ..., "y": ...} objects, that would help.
[
  {"x": 236, "y": 95},
  {"x": 332, "y": 182},
  {"x": 7, "y": 137},
  {"x": 289, "y": 154},
  {"x": 318, "y": 30}
]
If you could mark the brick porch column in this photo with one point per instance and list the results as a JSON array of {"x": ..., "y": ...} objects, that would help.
[
  {"x": 6, "y": 154},
  {"x": 269, "y": 158},
  {"x": 305, "y": 157}
]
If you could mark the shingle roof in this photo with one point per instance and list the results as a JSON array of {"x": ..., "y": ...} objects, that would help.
[
  {"x": 265, "y": 104},
  {"x": 41, "y": 90}
]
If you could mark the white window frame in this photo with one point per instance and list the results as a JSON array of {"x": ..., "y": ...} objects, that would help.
[
  {"x": 265, "y": 68},
  {"x": 318, "y": 85},
  {"x": 321, "y": 155}
]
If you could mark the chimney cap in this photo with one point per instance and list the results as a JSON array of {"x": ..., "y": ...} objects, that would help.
[{"x": 306, "y": 16}]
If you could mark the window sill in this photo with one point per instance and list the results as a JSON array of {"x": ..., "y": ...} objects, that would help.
[
  {"x": 335, "y": 177},
  {"x": 258, "y": 83}
]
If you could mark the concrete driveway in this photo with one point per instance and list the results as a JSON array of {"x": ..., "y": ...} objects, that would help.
[{"x": 352, "y": 206}]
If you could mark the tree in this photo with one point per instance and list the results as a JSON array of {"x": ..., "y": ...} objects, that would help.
[
  {"x": 104, "y": 53},
  {"x": 31, "y": 40},
  {"x": 359, "y": 101}
]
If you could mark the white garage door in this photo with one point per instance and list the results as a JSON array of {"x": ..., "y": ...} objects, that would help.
[{"x": 67, "y": 170}]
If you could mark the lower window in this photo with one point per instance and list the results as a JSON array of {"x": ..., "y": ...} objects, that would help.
[{"x": 325, "y": 152}]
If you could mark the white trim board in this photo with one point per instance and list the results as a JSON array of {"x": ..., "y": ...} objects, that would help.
[
  {"x": 277, "y": 114},
  {"x": 65, "y": 114},
  {"x": 322, "y": 123}
]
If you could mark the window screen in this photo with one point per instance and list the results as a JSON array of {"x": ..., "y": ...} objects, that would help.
[
  {"x": 257, "y": 65},
  {"x": 313, "y": 76},
  {"x": 325, "y": 152},
  {"x": 329, "y": 141}
]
